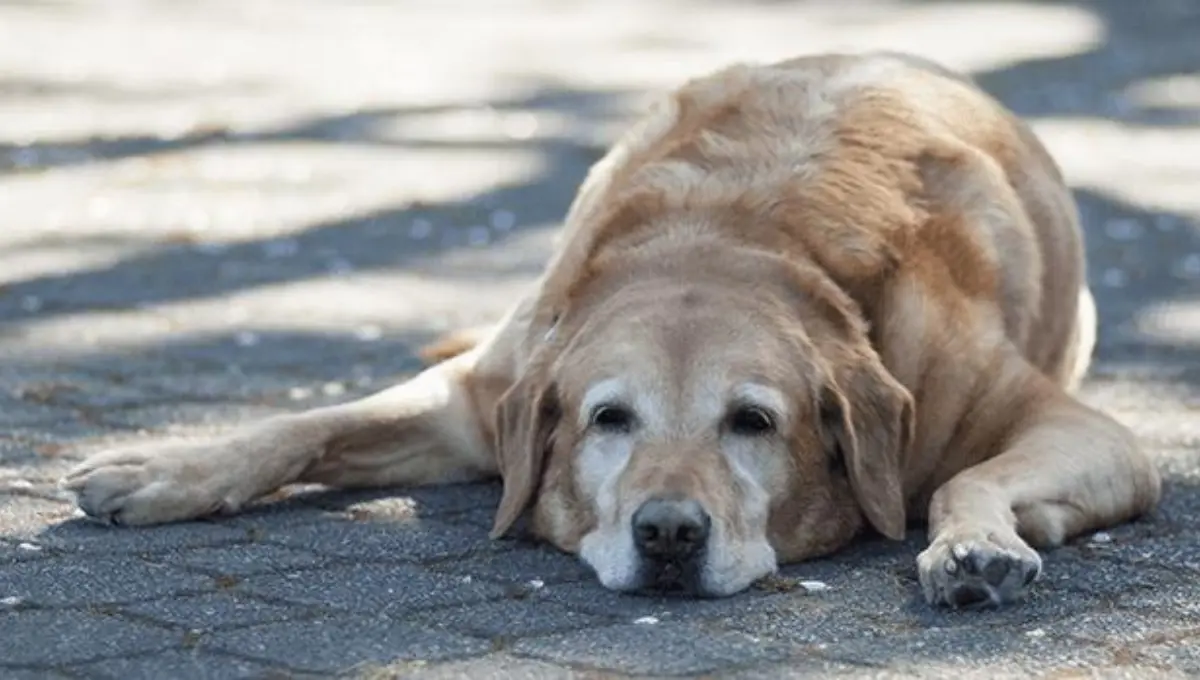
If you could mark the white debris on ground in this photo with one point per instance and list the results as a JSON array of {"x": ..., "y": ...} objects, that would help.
[
  {"x": 646, "y": 621},
  {"x": 814, "y": 586}
]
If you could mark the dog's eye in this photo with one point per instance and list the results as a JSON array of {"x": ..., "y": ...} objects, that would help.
[
  {"x": 612, "y": 418},
  {"x": 750, "y": 421}
]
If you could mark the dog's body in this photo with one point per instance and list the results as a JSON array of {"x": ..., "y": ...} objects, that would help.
[{"x": 794, "y": 300}]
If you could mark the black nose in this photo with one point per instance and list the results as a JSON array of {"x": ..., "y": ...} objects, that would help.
[{"x": 666, "y": 529}]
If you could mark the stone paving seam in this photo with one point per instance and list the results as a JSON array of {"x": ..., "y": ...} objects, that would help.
[
  {"x": 720, "y": 659},
  {"x": 278, "y": 671},
  {"x": 469, "y": 647},
  {"x": 98, "y": 546},
  {"x": 86, "y": 670},
  {"x": 255, "y": 596},
  {"x": 334, "y": 560},
  {"x": 294, "y": 613},
  {"x": 103, "y": 604},
  {"x": 225, "y": 574},
  {"x": 153, "y": 649},
  {"x": 501, "y": 642},
  {"x": 331, "y": 561}
]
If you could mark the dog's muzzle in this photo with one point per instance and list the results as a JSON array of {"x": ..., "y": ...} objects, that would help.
[{"x": 671, "y": 536}]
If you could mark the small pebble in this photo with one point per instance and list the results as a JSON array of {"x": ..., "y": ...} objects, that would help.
[
  {"x": 646, "y": 620},
  {"x": 467, "y": 579},
  {"x": 1035, "y": 633},
  {"x": 1102, "y": 537},
  {"x": 537, "y": 584},
  {"x": 29, "y": 547},
  {"x": 814, "y": 586},
  {"x": 11, "y": 601}
]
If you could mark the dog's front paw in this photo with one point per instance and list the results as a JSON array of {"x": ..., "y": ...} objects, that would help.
[
  {"x": 152, "y": 485},
  {"x": 977, "y": 568}
]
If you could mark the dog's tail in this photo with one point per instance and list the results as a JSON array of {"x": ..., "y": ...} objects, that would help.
[{"x": 453, "y": 344}]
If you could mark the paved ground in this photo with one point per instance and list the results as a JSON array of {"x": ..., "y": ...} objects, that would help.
[{"x": 211, "y": 211}]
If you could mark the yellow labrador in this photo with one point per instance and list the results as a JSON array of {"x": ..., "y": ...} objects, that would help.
[{"x": 793, "y": 302}]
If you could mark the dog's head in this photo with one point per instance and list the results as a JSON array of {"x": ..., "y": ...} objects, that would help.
[{"x": 690, "y": 432}]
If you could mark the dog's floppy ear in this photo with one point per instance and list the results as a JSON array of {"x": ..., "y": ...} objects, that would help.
[
  {"x": 525, "y": 418},
  {"x": 869, "y": 416}
]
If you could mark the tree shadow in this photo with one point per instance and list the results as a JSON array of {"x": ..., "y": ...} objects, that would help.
[{"x": 383, "y": 239}]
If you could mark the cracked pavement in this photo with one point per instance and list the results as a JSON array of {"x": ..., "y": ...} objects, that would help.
[{"x": 214, "y": 211}]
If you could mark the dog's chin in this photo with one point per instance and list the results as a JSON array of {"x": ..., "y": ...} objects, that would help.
[
  {"x": 619, "y": 567},
  {"x": 671, "y": 580}
]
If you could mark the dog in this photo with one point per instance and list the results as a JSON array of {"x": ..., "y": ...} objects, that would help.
[{"x": 796, "y": 302}]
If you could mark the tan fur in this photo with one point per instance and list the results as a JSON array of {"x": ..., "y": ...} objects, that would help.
[{"x": 870, "y": 237}]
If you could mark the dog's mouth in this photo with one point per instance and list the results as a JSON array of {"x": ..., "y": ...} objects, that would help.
[{"x": 671, "y": 578}]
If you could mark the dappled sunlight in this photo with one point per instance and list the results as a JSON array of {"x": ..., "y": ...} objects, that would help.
[
  {"x": 1179, "y": 92},
  {"x": 1175, "y": 323},
  {"x": 1158, "y": 167},
  {"x": 357, "y": 307},
  {"x": 232, "y": 193}
]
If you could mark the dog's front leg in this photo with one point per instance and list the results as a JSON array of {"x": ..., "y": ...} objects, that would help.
[
  {"x": 1066, "y": 469},
  {"x": 434, "y": 428}
]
